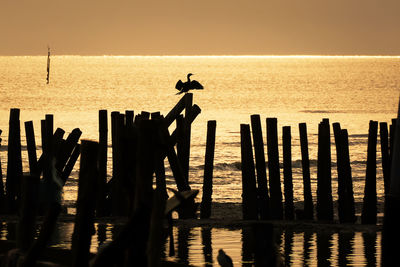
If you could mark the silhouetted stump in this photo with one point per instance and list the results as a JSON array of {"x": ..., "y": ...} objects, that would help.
[
  {"x": 369, "y": 210},
  {"x": 383, "y": 133},
  {"x": 274, "y": 172},
  {"x": 249, "y": 190},
  {"x": 324, "y": 178},
  {"x": 205, "y": 211},
  {"x": 102, "y": 178},
  {"x": 305, "y": 163},
  {"x": 14, "y": 161},
  {"x": 287, "y": 172},
  {"x": 262, "y": 188},
  {"x": 85, "y": 204}
]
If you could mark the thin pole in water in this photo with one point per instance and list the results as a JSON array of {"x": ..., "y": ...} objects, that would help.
[{"x": 48, "y": 65}]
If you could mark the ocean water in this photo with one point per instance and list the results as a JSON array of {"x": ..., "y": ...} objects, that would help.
[{"x": 351, "y": 90}]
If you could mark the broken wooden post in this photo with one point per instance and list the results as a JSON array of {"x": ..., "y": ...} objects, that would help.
[
  {"x": 205, "y": 211},
  {"x": 383, "y": 133},
  {"x": 342, "y": 205},
  {"x": 369, "y": 210},
  {"x": 26, "y": 226},
  {"x": 175, "y": 111},
  {"x": 262, "y": 188},
  {"x": 349, "y": 200},
  {"x": 14, "y": 161},
  {"x": 274, "y": 172},
  {"x": 305, "y": 164},
  {"x": 287, "y": 172},
  {"x": 118, "y": 195},
  {"x": 31, "y": 147},
  {"x": 103, "y": 151},
  {"x": 249, "y": 189},
  {"x": 85, "y": 204},
  {"x": 71, "y": 163},
  {"x": 324, "y": 179}
]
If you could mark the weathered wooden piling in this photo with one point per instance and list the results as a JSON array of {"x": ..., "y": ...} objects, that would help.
[
  {"x": 103, "y": 151},
  {"x": 305, "y": 164},
  {"x": 383, "y": 133},
  {"x": 391, "y": 231},
  {"x": 287, "y": 172},
  {"x": 324, "y": 177},
  {"x": 349, "y": 200},
  {"x": 205, "y": 209},
  {"x": 345, "y": 188},
  {"x": 249, "y": 189},
  {"x": 176, "y": 110},
  {"x": 85, "y": 204},
  {"x": 145, "y": 165},
  {"x": 67, "y": 148},
  {"x": 340, "y": 168},
  {"x": 273, "y": 168},
  {"x": 118, "y": 195},
  {"x": 31, "y": 147},
  {"x": 369, "y": 210},
  {"x": 14, "y": 161},
  {"x": 48, "y": 148},
  {"x": 261, "y": 170},
  {"x": 71, "y": 163},
  {"x": 27, "y": 216}
]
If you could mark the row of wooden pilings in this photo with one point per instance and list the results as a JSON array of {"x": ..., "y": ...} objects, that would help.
[
  {"x": 263, "y": 200},
  {"x": 139, "y": 146}
]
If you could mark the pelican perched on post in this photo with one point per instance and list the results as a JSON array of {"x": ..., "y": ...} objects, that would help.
[{"x": 184, "y": 87}]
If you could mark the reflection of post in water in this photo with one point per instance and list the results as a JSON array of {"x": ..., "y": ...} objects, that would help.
[
  {"x": 324, "y": 243},
  {"x": 101, "y": 233},
  {"x": 11, "y": 231},
  {"x": 183, "y": 245},
  {"x": 288, "y": 246},
  {"x": 207, "y": 248},
  {"x": 369, "y": 248},
  {"x": 307, "y": 247},
  {"x": 247, "y": 246},
  {"x": 345, "y": 247}
]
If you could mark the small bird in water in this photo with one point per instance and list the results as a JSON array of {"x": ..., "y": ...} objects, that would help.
[
  {"x": 223, "y": 259},
  {"x": 184, "y": 87}
]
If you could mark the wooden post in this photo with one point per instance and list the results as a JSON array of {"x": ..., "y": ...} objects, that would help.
[
  {"x": 67, "y": 148},
  {"x": 391, "y": 221},
  {"x": 342, "y": 205},
  {"x": 31, "y": 147},
  {"x": 383, "y": 133},
  {"x": 175, "y": 111},
  {"x": 180, "y": 143},
  {"x": 118, "y": 199},
  {"x": 48, "y": 150},
  {"x": 369, "y": 210},
  {"x": 14, "y": 161},
  {"x": 324, "y": 186},
  {"x": 305, "y": 163},
  {"x": 145, "y": 165},
  {"x": 205, "y": 211},
  {"x": 187, "y": 126},
  {"x": 102, "y": 180},
  {"x": 273, "y": 167},
  {"x": 262, "y": 189},
  {"x": 249, "y": 190},
  {"x": 287, "y": 172},
  {"x": 85, "y": 204},
  {"x": 349, "y": 200},
  {"x": 27, "y": 220},
  {"x": 71, "y": 163}
]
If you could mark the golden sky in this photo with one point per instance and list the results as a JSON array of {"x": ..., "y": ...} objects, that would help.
[{"x": 202, "y": 27}]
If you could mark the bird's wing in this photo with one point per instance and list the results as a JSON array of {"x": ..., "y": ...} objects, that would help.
[
  {"x": 179, "y": 85},
  {"x": 196, "y": 85}
]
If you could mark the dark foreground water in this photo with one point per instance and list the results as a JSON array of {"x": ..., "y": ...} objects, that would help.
[{"x": 198, "y": 246}]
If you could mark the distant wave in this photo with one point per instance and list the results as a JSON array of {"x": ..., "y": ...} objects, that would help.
[{"x": 317, "y": 111}]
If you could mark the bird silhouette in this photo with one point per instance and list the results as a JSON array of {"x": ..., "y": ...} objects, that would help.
[
  {"x": 223, "y": 259},
  {"x": 184, "y": 87}
]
